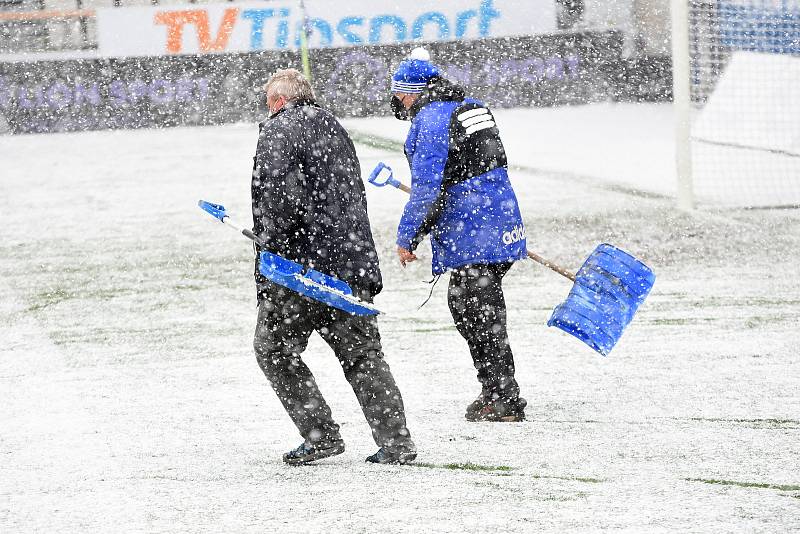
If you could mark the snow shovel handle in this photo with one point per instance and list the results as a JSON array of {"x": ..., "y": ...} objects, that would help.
[
  {"x": 550, "y": 265},
  {"x": 403, "y": 187},
  {"x": 389, "y": 180},
  {"x": 218, "y": 212}
]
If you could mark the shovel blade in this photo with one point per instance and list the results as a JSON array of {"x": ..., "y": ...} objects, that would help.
[
  {"x": 609, "y": 288},
  {"x": 313, "y": 284}
]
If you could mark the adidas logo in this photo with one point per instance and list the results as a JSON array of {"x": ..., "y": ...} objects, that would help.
[{"x": 514, "y": 236}]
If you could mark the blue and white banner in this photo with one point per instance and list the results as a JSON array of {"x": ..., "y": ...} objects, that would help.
[{"x": 253, "y": 27}]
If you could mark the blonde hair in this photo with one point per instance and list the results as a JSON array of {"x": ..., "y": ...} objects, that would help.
[{"x": 290, "y": 84}]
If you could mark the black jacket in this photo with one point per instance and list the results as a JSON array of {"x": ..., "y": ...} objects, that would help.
[{"x": 309, "y": 204}]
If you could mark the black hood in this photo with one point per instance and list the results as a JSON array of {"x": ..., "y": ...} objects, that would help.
[{"x": 438, "y": 90}]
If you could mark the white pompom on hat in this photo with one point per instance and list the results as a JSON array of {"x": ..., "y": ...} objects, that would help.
[{"x": 420, "y": 54}]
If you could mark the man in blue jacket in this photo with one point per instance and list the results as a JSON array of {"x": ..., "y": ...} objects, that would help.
[{"x": 461, "y": 196}]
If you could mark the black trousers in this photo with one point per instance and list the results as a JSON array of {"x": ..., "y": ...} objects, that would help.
[
  {"x": 475, "y": 298},
  {"x": 285, "y": 323}
]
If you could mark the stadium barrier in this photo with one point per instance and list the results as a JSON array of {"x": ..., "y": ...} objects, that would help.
[{"x": 91, "y": 94}]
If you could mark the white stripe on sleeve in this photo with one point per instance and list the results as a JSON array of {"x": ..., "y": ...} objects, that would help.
[
  {"x": 480, "y": 126},
  {"x": 471, "y": 113},
  {"x": 475, "y": 120}
]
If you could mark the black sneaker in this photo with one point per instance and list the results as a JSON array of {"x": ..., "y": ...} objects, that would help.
[
  {"x": 393, "y": 456},
  {"x": 498, "y": 411},
  {"x": 306, "y": 452}
]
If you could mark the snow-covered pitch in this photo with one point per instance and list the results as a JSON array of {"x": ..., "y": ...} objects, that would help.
[{"x": 130, "y": 399}]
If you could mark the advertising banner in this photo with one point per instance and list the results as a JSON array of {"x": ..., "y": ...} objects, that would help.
[
  {"x": 278, "y": 25},
  {"x": 54, "y": 96}
]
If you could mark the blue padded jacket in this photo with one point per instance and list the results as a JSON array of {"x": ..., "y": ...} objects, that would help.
[{"x": 460, "y": 191}]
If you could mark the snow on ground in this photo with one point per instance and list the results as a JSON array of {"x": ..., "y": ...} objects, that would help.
[{"x": 132, "y": 401}]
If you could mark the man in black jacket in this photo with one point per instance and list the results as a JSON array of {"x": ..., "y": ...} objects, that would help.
[{"x": 309, "y": 206}]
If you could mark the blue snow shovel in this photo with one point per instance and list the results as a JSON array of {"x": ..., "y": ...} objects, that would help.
[
  {"x": 607, "y": 290},
  {"x": 310, "y": 283}
]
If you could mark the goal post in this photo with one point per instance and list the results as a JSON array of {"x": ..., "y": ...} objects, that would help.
[
  {"x": 681, "y": 90},
  {"x": 737, "y": 103}
]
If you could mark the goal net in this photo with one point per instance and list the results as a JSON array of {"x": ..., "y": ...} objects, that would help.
[{"x": 745, "y": 101}]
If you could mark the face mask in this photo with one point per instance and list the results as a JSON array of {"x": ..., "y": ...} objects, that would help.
[{"x": 399, "y": 109}]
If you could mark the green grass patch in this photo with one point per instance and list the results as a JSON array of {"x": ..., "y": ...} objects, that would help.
[
  {"x": 679, "y": 321},
  {"x": 756, "y": 321},
  {"x": 465, "y": 467},
  {"x": 727, "y": 302},
  {"x": 562, "y": 498},
  {"x": 769, "y": 422},
  {"x": 188, "y": 287},
  {"x": 376, "y": 141},
  {"x": 759, "y": 321},
  {"x": 50, "y": 298},
  {"x": 577, "y": 479},
  {"x": 738, "y": 484},
  {"x": 46, "y": 299}
]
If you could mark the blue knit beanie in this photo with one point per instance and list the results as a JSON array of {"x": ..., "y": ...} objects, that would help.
[{"x": 414, "y": 73}]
